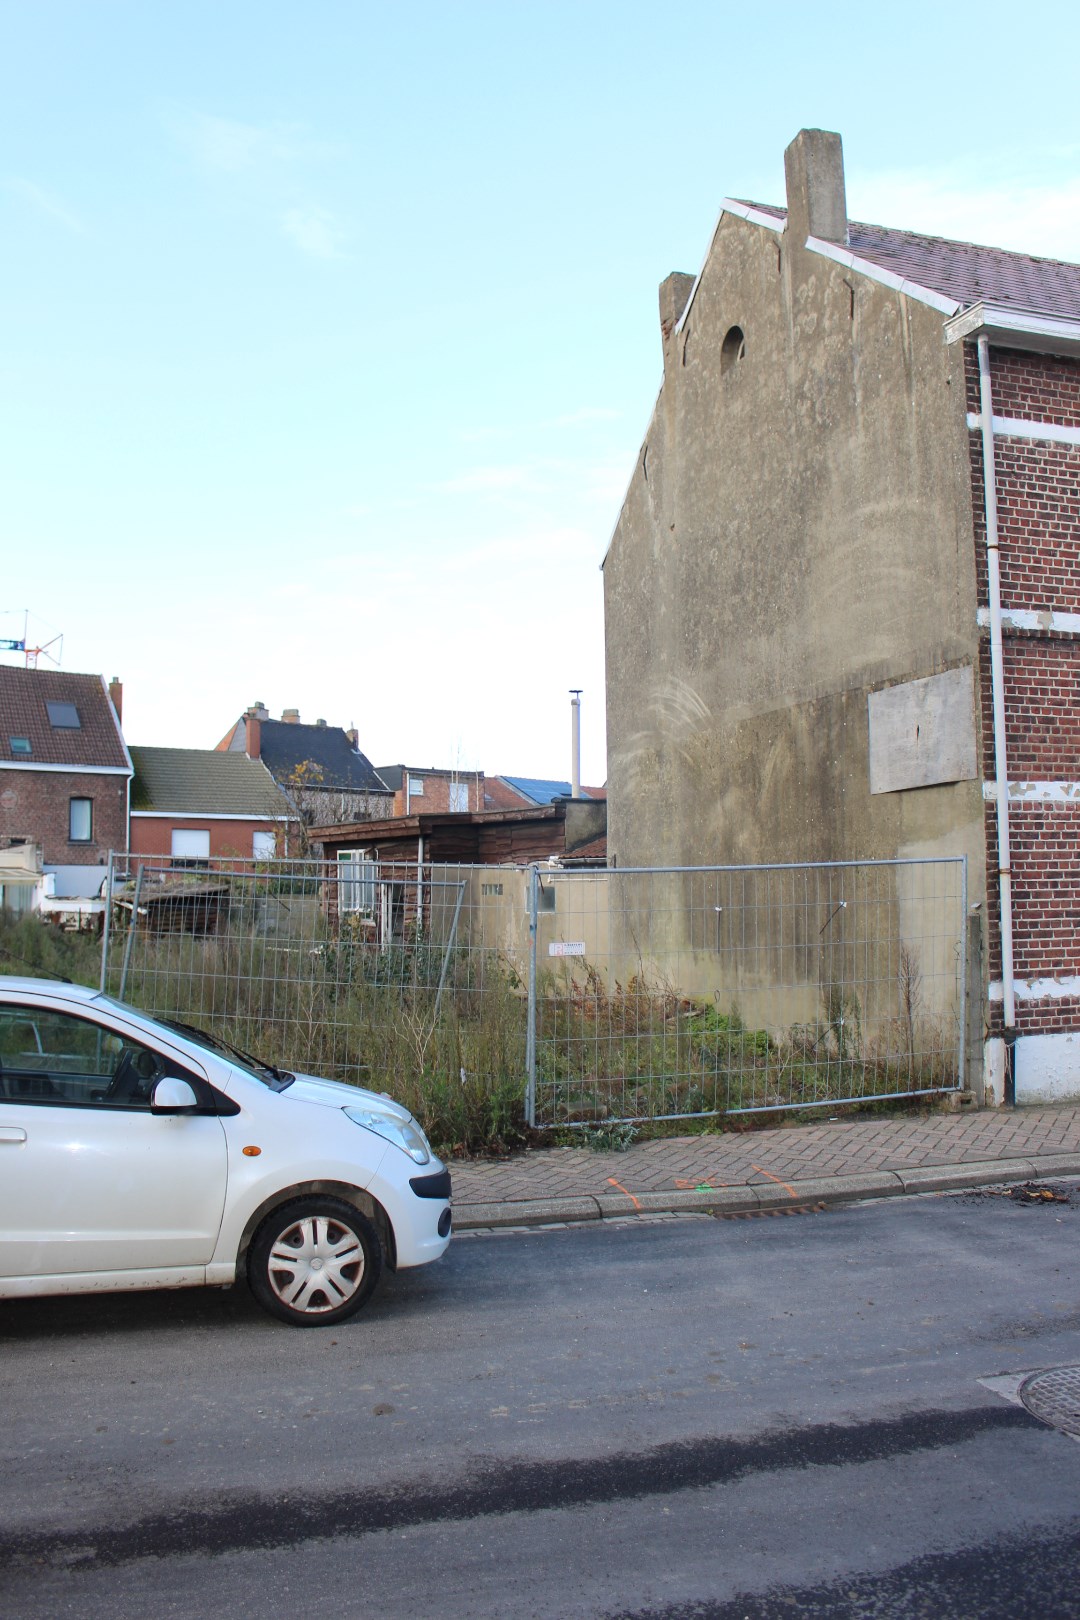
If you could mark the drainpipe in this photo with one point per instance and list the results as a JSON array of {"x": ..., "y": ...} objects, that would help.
[
  {"x": 997, "y": 682},
  {"x": 419, "y": 883}
]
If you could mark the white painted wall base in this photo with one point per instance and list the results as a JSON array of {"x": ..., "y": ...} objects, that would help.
[
  {"x": 1047, "y": 1068},
  {"x": 994, "y": 1072}
]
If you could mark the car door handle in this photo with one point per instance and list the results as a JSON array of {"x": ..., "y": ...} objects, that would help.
[{"x": 12, "y": 1133}]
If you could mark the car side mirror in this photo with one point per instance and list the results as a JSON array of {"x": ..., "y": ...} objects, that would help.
[{"x": 172, "y": 1095}]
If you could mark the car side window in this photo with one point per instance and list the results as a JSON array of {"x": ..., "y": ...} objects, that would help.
[{"x": 56, "y": 1057}]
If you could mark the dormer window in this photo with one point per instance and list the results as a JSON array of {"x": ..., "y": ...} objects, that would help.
[{"x": 64, "y": 717}]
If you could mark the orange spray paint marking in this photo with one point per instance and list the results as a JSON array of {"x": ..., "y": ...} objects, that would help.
[
  {"x": 786, "y": 1185},
  {"x": 613, "y": 1183}
]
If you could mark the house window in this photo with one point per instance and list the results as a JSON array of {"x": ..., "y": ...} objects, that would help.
[
  {"x": 459, "y": 796},
  {"x": 64, "y": 717},
  {"x": 190, "y": 844},
  {"x": 263, "y": 846},
  {"x": 80, "y": 821},
  {"x": 20, "y": 745},
  {"x": 356, "y": 882},
  {"x": 416, "y": 787}
]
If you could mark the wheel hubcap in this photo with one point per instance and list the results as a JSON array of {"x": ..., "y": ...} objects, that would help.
[{"x": 316, "y": 1265}]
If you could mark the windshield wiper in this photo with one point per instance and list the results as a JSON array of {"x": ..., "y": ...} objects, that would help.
[{"x": 215, "y": 1042}]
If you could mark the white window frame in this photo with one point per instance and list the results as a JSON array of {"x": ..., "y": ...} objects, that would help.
[
  {"x": 263, "y": 845},
  {"x": 415, "y": 787},
  {"x": 459, "y": 792},
  {"x": 357, "y": 873},
  {"x": 87, "y": 807}
]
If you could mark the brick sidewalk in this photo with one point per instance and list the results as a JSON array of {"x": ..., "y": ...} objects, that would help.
[{"x": 845, "y": 1159}]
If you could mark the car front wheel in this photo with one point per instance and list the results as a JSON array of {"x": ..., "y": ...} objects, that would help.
[{"x": 314, "y": 1261}]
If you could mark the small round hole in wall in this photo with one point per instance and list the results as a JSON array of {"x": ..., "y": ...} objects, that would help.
[{"x": 733, "y": 349}]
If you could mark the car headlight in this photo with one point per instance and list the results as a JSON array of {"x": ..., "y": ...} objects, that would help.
[{"x": 404, "y": 1133}]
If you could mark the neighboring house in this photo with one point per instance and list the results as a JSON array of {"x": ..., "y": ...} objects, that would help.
[
  {"x": 805, "y": 651},
  {"x": 319, "y": 767},
  {"x": 64, "y": 775},
  {"x": 375, "y": 861},
  {"x": 509, "y": 792},
  {"x": 192, "y": 804},
  {"x": 433, "y": 791}
]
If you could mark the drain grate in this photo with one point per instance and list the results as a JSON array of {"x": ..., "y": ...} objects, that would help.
[{"x": 1054, "y": 1397}]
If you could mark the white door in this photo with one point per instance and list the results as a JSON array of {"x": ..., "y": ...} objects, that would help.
[{"x": 90, "y": 1180}]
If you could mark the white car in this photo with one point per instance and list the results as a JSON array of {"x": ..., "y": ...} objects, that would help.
[{"x": 136, "y": 1153}]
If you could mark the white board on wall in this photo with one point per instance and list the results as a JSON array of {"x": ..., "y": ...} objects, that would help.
[{"x": 923, "y": 732}]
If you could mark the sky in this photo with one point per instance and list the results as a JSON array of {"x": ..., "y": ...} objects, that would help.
[{"x": 329, "y": 332}]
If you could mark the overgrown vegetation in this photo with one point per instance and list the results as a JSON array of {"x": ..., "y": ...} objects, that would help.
[{"x": 443, "y": 1029}]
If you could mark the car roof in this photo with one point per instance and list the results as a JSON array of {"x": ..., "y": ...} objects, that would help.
[{"x": 11, "y": 985}]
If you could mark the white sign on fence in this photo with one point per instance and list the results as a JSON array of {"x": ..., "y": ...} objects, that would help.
[{"x": 564, "y": 947}]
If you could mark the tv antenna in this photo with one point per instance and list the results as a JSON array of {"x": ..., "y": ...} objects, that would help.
[{"x": 53, "y": 649}]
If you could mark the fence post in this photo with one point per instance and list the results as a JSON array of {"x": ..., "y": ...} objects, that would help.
[
  {"x": 131, "y": 930},
  {"x": 105, "y": 929},
  {"x": 449, "y": 948},
  {"x": 530, "y": 1027}
]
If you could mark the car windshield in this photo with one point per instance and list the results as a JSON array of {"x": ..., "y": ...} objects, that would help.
[{"x": 268, "y": 1073}]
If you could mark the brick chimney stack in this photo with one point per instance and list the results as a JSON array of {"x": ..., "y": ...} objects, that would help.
[
  {"x": 116, "y": 697},
  {"x": 291, "y": 717}
]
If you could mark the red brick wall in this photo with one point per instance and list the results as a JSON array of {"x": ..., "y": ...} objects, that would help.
[
  {"x": 435, "y": 799},
  {"x": 1038, "y": 485},
  {"x": 36, "y": 805},
  {"x": 229, "y": 840}
]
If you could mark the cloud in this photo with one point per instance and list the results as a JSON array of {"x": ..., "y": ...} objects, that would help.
[
  {"x": 315, "y": 231},
  {"x": 587, "y": 413},
  {"x": 493, "y": 480},
  {"x": 45, "y": 202},
  {"x": 231, "y": 146},
  {"x": 959, "y": 201}
]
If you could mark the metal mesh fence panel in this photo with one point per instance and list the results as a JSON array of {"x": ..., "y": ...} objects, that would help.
[
  {"x": 486, "y": 996},
  {"x": 673, "y": 993},
  {"x": 400, "y": 978}
]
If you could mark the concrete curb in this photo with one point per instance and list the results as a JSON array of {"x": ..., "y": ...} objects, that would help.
[{"x": 534, "y": 1212}]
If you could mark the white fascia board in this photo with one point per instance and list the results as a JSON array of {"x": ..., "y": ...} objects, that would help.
[
  {"x": 1033, "y": 619},
  {"x": 1064, "y": 989},
  {"x": 754, "y": 215},
  {"x": 68, "y": 770},
  {"x": 888, "y": 278},
  {"x": 116, "y": 719},
  {"x": 196, "y": 815},
  {"x": 741, "y": 211},
  {"x": 1036, "y": 792},
  {"x": 1021, "y": 427},
  {"x": 1016, "y": 328}
]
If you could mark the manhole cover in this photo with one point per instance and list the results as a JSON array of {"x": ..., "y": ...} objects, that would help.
[{"x": 1054, "y": 1397}]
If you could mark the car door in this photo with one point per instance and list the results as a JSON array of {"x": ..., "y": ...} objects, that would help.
[{"x": 90, "y": 1179}]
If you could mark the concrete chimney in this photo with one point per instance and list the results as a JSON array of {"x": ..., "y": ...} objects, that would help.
[
  {"x": 816, "y": 198},
  {"x": 258, "y": 710},
  {"x": 354, "y": 737},
  {"x": 116, "y": 697},
  {"x": 321, "y": 723},
  {"x": 291, "y": 717},
  {"x": 675, "y": 293}
]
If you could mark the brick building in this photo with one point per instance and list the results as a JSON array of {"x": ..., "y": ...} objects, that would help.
[
  {"x": 843, "y": 594},
  {"x": 433, "y": 790},
  {"x": 194, "y": 804},
  {"x": 319, "y": 768},
  {"x": 65, "y": 773}
]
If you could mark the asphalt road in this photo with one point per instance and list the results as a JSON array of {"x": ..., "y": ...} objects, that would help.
[{"x": 647, "y": 1421}]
